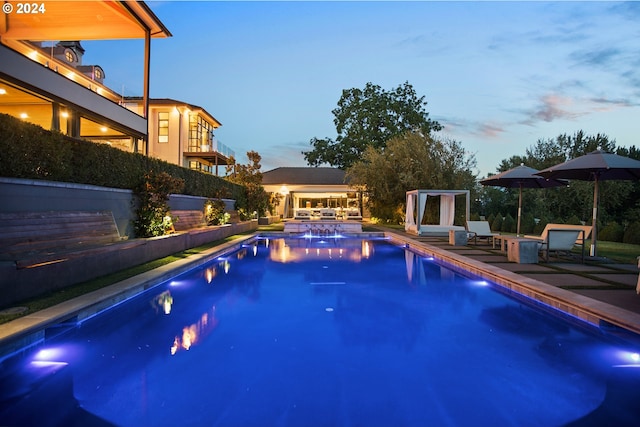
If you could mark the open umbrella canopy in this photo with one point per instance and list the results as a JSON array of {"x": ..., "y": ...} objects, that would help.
[
  {"x": 595, "y": 166},
  {"x": 521, "y": 177}
]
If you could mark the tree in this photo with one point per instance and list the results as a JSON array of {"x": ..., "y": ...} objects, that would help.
[
  {"x": 250, "y": 176},
  {"x": 409, "y": 161},
  {"x": 370, "y": 117}
]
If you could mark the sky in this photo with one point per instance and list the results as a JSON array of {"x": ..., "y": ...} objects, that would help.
[{"x": 499, "y": 76}]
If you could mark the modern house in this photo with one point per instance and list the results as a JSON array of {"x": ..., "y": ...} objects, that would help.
[
  {"x": 44, "y": 80},
  {"x": 183, "y": 134},
  {"x": 312, "y": 188}
]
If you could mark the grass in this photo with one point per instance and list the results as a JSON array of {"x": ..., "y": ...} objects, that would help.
[{"x": 623, "y": 253}]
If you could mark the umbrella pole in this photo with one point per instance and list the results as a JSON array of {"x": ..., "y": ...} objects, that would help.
[
  {"x": 519, "y": 211},
  {"x": 594, "y": 224}
]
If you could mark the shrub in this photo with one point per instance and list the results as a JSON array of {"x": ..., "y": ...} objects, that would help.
[
  {"x": 496, "y": 225},
  {"x": 612, "y": 232},
  {"x": 527, "y": 224},
  {"x": 153, "y": 203},
  {"x": 31, "y": 152},
  {"x": 540, "y": 225},
  {"x": 573, "y": 220},
  {"x": 28, "y": 151},
  {"x": 214, "y": 213},
  {"x": 508, "y": 224},
  {"x": 632, "y": 234}
]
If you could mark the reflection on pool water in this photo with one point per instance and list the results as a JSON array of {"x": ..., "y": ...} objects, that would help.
[{"x": 324, "y": 332}]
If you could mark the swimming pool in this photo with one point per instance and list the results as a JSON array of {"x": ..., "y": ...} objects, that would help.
[{"x": 323, "y": 332}]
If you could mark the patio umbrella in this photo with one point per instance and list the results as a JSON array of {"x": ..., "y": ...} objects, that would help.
[
  {"x": 521, "y": 177},
  {"x": 596, "y": 166}
]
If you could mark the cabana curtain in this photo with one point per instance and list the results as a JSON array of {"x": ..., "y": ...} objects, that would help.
[
  {"x": 416, "y": 206},
  {"x": 447, "y": 208}
]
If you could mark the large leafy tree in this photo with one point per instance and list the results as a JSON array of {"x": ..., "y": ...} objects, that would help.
[
  {"x": 410, "y": 161},
  {"x": 370, "y": 117}
]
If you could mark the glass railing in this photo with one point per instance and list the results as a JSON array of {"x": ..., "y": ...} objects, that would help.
[{"x": 215, "y": 146}]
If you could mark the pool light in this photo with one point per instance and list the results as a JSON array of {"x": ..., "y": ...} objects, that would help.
[
  {"x": 480, "y": 282},
  {"x": 48, "y": 354}
]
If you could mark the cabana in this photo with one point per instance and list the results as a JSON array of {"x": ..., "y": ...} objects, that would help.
[{"x": 416, "y": 208}]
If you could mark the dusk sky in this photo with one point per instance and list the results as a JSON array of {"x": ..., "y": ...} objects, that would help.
[{"x": 497, "y": 75}]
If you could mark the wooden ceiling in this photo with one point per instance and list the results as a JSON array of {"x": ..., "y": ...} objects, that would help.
[{"x": 82, "y": 20}]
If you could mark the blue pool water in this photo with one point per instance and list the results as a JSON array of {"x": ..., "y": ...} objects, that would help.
[{"x": 323, "y": 332}]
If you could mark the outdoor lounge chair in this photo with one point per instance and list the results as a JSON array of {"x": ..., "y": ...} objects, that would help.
[
  {"x": 561, "y": 240},
  {"x": 550, "y": 226},
  {"x": 353, "y": 213},
  {"x": 480, "y": 230},
  {"x": 327, "y": 213},
  {"x": 302, "y": 214}
]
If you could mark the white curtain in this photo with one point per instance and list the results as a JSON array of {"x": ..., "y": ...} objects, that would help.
[
  {"x": 409, "y": 219},
  {"x": 447, "y": 208},
  {"x": 423, "y": 204}
]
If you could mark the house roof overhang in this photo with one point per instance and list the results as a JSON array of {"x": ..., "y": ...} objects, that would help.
[
  {"x": 180, "y": 105},
  {"x": 83, "y": 20}
]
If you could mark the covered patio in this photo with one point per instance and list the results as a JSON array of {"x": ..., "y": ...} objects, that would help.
[{"x": 313, "y": 194}]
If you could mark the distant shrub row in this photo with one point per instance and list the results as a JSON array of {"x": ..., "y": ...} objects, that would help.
[{"x": 31, "y": 152}]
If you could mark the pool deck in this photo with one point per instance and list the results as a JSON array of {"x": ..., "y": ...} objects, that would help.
[{"x": 599, "y": 293}]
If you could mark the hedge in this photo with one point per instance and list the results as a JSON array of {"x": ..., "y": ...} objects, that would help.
[{"x": 31, "y": 152}]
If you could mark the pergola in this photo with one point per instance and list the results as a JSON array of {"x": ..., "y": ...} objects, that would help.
[{"x": 416, "y": 207}]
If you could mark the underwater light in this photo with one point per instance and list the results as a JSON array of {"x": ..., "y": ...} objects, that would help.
[
  {"x": 47, "y": 363},
  {"x": 480, "y": 282},
  {"x": 48, "y": 354},
  {"x": 628, "y": 358}
]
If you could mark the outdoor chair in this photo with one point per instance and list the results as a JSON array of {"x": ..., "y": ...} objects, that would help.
[
  {"x": 302, "y": 214},
  {"x": 561, "y": 240},
  {"x": 327, "y": 213},
  {"x": 353, "y": 213},
  {"x": 480, "y": 230}
]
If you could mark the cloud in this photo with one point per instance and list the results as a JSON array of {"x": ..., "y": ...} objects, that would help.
[
  {"x": 604, "y": 104},
  {"x": 461, "y": 126},
  {"x": 603, "y": 57},
  {"x": 552, "y": 107},
  {"x": 490, "y": 130}
]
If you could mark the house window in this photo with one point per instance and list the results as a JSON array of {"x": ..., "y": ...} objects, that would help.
[
  {"x": 69, "y": 56},
  {"x": 163, "y": 127},
  {"x": 200, "y": 134}
]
